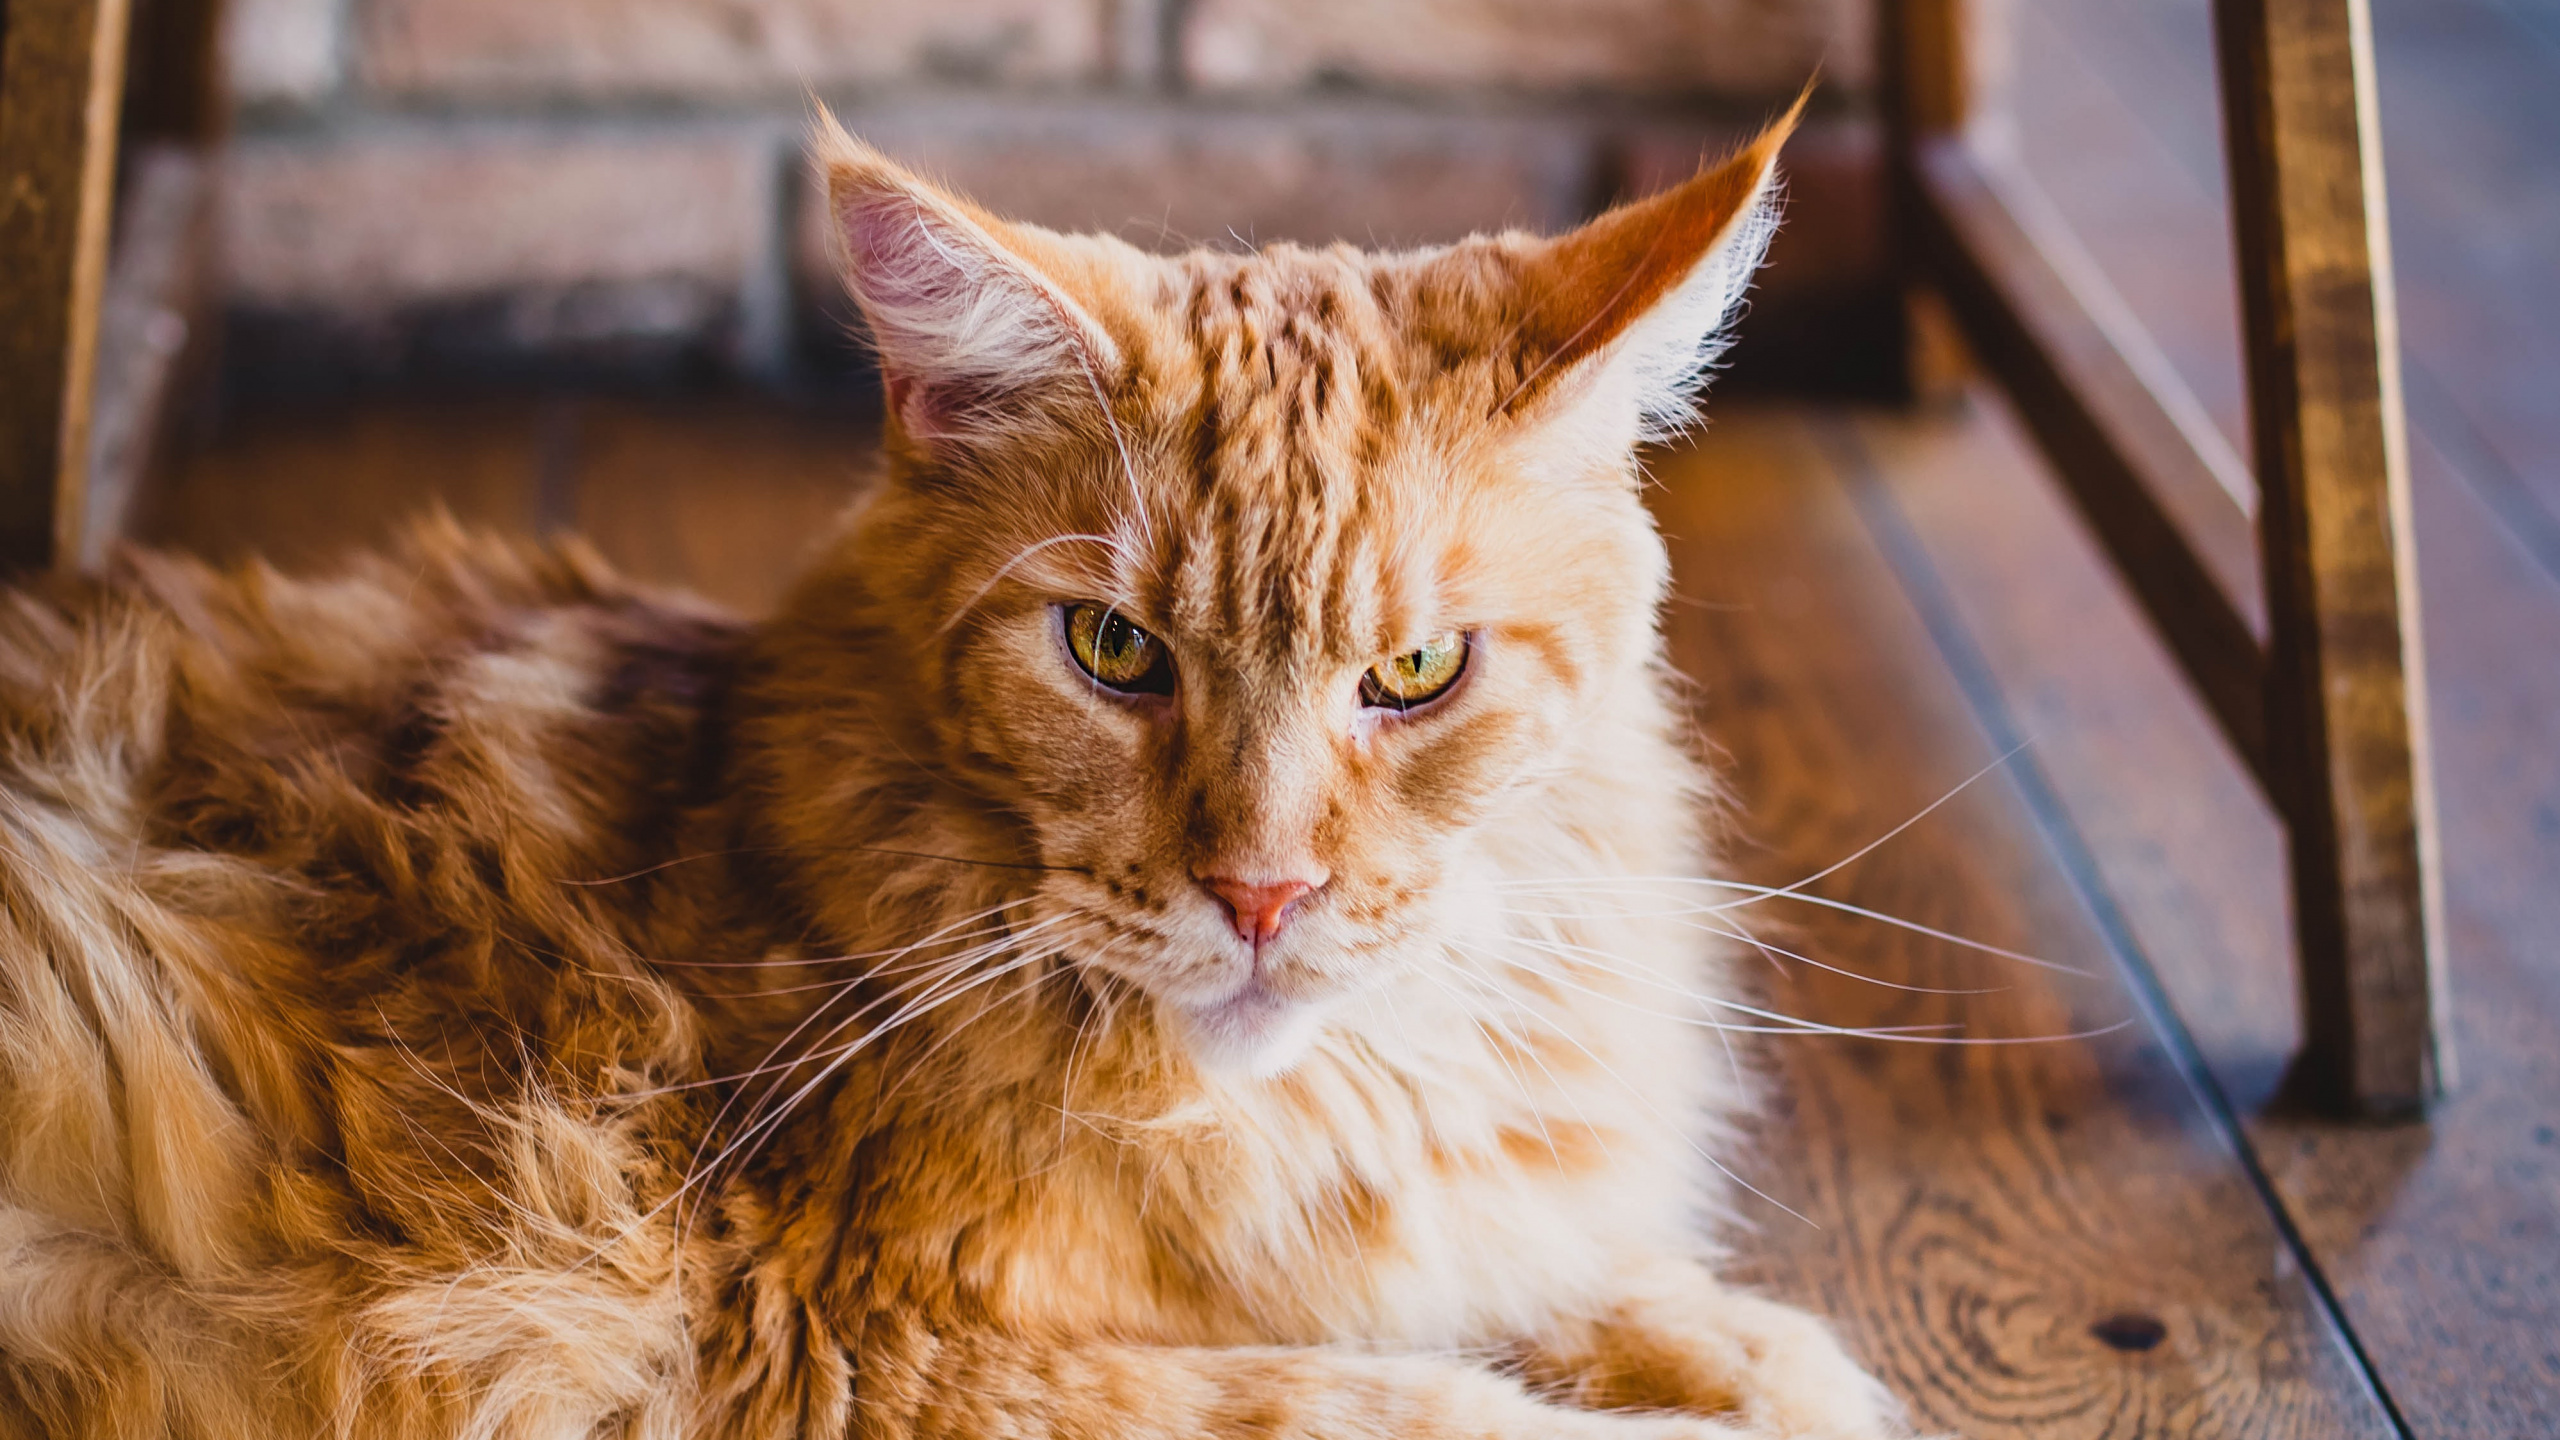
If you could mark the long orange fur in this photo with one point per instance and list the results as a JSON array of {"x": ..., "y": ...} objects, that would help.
[{"x": 472, "y": 996}]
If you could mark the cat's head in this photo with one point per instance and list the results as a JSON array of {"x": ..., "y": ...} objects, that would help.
[{"x": 1258, "y": 585}]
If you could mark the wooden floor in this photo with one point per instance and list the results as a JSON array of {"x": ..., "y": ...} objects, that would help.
[
  {"x": 2047, "y": 1239},
  {"x": 720, "y": 496}
]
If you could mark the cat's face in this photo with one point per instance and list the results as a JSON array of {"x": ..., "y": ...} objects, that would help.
[
  {"x": 1255, "y": 729},
  {"x": 1257, "y": 585}
]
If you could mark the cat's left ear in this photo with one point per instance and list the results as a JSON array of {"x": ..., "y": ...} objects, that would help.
[
  {"x": 974, "y": 336},
  {"x": 1629, "y": 312}
]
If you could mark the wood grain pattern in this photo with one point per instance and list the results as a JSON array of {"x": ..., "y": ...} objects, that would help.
[
  {"x": 2439, "y": 1243},
  {"x": 1999, "y": 1226},
  {"x": 2346, "y": 689},
  {"x": 61, "y": 79}
]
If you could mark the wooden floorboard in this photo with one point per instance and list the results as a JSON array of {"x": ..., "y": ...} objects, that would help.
[
  {"x": 2441, "y": 1242},
  {"x": 721, "y": 496},
  {"x": 1984, "y": 1218},
  {"x": 2472, "y": 143},
  {"x": 726, "y": 497},
  {"x": 301, "y": 488}
]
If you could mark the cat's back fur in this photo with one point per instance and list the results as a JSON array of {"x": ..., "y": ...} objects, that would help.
[{"x": 303, "y": 1034}]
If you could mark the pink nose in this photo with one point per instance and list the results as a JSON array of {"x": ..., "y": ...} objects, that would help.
[{"x": 1258, "y": 909}]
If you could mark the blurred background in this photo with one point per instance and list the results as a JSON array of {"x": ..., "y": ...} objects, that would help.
[
  {"x": 419, "y": 187},
  {"x": 533, "y": 214},
  {"x": 487, "y": 197}
]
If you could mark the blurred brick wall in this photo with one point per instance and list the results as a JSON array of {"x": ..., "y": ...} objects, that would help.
[{"x": 439, "y": 185}]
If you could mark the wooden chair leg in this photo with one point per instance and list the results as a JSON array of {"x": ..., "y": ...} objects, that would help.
[
  {"x": 2346, "y": 698},
  {"x": 2343, "y": 753},
  {"x": 61, "y": 81},
  {"x": 1926, "y": 83}
]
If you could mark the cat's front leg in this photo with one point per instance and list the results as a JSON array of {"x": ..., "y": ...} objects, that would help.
[
  {"x": 1676, "y": 1338},
  {"x": 1010, "y": 1387}
]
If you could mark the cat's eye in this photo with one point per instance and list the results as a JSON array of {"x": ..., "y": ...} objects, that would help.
[
  {"x": 1418, "y": 676},
  {"x": 1118, "y": 655}
]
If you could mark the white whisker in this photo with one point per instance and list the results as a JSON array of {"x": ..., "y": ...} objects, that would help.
[
  {"x": 699, "y": 1174},
  {"x": 1108, "y": 542},
  {"x": 1774, "y": 952},
  {"x": 1570, "y": 886},
  {"x": 1923, "y": 813},
  {"x": 1798, "y": 1025},
  {"x": 836, "y": 1058}
]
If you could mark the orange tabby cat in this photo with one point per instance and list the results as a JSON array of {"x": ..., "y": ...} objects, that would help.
[{"x": 1090, "y": 966}]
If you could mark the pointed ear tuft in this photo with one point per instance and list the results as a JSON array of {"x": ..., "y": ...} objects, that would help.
[
  {"x": 1639, "y": 299},
  {"x": 971, "y": 335}
]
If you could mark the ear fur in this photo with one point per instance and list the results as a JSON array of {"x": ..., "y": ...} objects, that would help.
[
  {"x": 1639, "y": 299},
  {"x": 966, "y": 326}
]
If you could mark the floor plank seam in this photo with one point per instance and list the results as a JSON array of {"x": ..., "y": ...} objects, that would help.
[
  {"x": 1975, "y": 678},
  {"x": 2470, "y": 455}
]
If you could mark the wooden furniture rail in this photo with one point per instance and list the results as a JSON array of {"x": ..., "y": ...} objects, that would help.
[
  {"x": 92, "y": 340},
  {"x": 2303, "y": 640}
]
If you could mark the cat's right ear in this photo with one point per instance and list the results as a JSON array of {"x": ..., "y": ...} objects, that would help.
[
  {"x": 1626, "y": 315},
  {"x": 972, "y": 338}
]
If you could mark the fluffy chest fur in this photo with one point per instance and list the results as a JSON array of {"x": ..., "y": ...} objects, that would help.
[{"x": 1458, "y": 1158}]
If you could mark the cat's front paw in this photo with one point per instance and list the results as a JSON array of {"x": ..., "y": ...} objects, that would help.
[
  {"x": 1689, "y": 1344},
  {"x": 1792, "y": 1379}
]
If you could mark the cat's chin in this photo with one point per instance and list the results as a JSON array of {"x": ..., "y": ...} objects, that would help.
[{"x": 1251, "y": 1033}]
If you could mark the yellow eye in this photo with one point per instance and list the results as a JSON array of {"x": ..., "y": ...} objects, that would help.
[
  {"x": 1417, "y": 676},
  {"x": 1116, "y": 653}
]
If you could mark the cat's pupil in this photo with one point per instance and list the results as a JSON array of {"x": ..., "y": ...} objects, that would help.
[{"x": 1119, "y": 641}]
